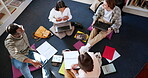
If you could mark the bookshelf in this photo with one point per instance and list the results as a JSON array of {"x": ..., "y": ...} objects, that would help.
[
  {"x": 10, "y": 10},
  {"x": 137, "y": 7}
]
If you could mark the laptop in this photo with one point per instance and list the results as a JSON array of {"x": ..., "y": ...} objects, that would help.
[
  {"x": 101, "y": 25},
  {"x": 61, "y": 27}
]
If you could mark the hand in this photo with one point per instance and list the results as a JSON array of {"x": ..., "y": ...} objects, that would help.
[
  {"x": 73, "y": 69},
  {"x": 109, "y": 30},
  {"x": 65, "y": 18},
  {"x": 59, "y": 19},
  {"x": 36, "y": 63},
  {"x": 74, "y": 66}
]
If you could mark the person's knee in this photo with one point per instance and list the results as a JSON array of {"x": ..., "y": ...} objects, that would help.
[{"x": 21, "y": 66}]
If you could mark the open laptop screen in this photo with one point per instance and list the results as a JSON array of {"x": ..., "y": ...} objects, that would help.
[{"x": 63, "y": 27}]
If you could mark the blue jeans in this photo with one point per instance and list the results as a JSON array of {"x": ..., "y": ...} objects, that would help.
[{"x": 24, "y": 69}]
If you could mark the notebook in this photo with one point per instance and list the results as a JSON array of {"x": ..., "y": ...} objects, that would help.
[
  {"x": 61, "y": 27},
  {"x": 101, "y": 26},
  {"x": 109, "y": 68}
]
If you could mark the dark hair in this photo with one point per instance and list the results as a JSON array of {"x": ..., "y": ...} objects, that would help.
[
  {"x": 60, "y": 4},
  {"x": 111, "y": 3},
  {"x": 85, "y": 62},
  {"x": 11, "y": 29}
]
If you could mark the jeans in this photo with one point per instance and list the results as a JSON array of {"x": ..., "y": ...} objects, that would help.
[{"x": 24, "y": 69}]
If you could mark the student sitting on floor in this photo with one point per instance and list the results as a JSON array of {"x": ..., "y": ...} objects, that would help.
[
  {"x": 60, "y": 14},
  {"x": 18, "y": 46},
  {"x": 89, "y": 67},
  {"x": 108, "y": 12}
]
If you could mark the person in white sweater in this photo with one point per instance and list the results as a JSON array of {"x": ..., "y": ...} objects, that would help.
[{"x": 60, "y": 14}]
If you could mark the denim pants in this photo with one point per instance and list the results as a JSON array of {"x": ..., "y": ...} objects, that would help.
[{"x": 24, "y": 69}]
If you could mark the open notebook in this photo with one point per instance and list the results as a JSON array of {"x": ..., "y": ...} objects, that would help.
[{"x": 70, "y": 58}]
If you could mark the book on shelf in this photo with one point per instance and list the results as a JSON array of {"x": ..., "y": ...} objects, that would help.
[
  {"x": 109, "y": 68},
  {"x": 137, "y": 3},
  {"x": 16, "y": 3},
  {"x": 7, "y": 1},
  {"x": 11, "y": 9},
  {"x": 1, "y": 15}
]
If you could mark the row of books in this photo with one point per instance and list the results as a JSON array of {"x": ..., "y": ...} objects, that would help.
[
  {"x": 139, "y": 3},
  {"x": 15, "y": 3}
]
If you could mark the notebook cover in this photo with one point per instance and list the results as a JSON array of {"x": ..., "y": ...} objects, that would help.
[
  {"x": 108, "y": 52},
  {"x": 78, "y": 45}
]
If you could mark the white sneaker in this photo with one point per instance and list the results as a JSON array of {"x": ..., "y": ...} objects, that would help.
[{"x": 85, "y": 48}]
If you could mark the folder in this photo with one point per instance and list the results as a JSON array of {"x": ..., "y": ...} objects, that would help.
[
  {"x": 78, "y": 45},
  {"x": 108, "y": 52},
  {"x": 115, "y": 56},
  {"x": 61, "y": 70}
]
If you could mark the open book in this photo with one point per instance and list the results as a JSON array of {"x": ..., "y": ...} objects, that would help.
[
  {"x": 46, "y": 50},
  {"x": 70, "y": 58}
]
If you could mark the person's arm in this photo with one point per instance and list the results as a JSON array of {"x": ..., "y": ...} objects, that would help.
[
  {"x": 97, "y": 14},
  {"x": 33, "y": 62},
  {"x": 68, "y": 15},
  {"x": 52, "y": 16},
  {"x": 74, "y": 70},
  {"x": 118, "y": 21},
  {"x": 9, "y": 44}
]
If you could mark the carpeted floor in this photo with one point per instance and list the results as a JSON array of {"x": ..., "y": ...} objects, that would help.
[{"x": 131, "y": 42}]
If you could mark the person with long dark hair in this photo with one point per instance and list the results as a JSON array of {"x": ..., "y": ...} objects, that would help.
[
  {"x": 60, "y": 14},
  {"x": 108, "y": 13}
]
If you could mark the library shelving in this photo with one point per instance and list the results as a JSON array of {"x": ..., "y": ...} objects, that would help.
[
  {"x": 137, "y": 7},
  {"x": 10, "y": 10}
]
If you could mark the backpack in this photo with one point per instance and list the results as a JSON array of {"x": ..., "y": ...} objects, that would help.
[{"x": 41, "y": 32}]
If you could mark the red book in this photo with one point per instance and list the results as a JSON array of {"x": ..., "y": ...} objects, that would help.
[{"x": 108, "y": 52}]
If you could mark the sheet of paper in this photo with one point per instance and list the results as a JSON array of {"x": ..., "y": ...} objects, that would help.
[
  {"x": 115, "y": 56},
  {"x": 70, "y": 58},
  {"x": 46, "y": 50}
]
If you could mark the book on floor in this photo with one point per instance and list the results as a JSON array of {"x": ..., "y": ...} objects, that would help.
[
  {"x": 108, "y": 52},
  {"x": 78, "y": 45},
  {"x": 57, "y": 58},
  {"x": 115, "y": 56},
  {"x": 109, "y": 68},
  {"x": 70, "y": 58},
  {"x": 46, "y": 50},
  {"x": 81, "y": 36}
]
